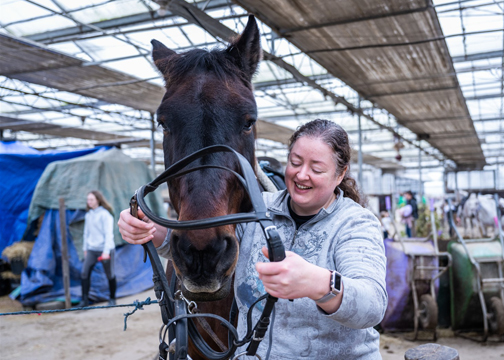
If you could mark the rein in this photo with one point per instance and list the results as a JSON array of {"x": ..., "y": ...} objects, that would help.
[{"x": 166, "y": 300}]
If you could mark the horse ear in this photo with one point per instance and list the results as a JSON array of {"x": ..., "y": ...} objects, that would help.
[
  {"x": 159, "y": 51},
  {"x": 246, "y": 49}
]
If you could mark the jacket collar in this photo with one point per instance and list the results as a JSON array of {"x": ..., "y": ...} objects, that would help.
[{"x": 279, "y": 204}]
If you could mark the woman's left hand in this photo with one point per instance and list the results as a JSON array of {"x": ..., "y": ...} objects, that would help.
[
  {"x": 105, "y": 256},
  {"x": 293, "y": 277}
]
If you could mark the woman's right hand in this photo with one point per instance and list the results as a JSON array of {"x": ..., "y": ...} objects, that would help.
[{"x": 141, "y": 230}]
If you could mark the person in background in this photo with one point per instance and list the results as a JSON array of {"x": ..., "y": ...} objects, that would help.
[
  {"x": 98, "y": 244},
  {"x": 410, "y": 222},
  {"x": 386, "y": 222},
  {"x": 335, "y": 259}
]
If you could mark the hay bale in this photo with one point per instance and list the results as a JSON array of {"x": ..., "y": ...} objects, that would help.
[
  {"x": 19, "y": 250},
  {"x": 18, "y": 254}
]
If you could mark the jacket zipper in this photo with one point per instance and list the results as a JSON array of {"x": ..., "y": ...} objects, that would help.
[{"x": 293, "y": 238}]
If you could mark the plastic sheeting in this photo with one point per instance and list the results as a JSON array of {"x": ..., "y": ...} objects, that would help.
[
  {"x": 112, "y": 172},
  {"x": 42, "y": 280},
  {"x": 20, "y": 169},
  {"x": 400, "y": 309}
]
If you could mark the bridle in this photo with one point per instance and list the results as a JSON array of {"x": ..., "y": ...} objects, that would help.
[{"x": 165, "y": 296}]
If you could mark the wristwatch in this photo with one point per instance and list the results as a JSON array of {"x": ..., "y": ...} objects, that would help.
[{"x": 334, "y": 287}]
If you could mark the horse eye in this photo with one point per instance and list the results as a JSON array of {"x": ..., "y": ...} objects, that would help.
[
  {"x": 165, "y": 128},
  {"x": 248, "y": 125}
]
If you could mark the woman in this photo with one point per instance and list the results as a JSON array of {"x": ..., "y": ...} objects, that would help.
[
  {"x": 335, "y": 263},
  {"x": 413, "y": 214},
  {"x": 98, "y": 244}
]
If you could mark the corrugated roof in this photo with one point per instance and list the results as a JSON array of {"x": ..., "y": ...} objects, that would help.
[
  {"x": 29, "y": 61},
  {"x": 393, "y": 53}
]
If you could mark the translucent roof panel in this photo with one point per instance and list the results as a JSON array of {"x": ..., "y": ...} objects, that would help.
[{"x": 123, "y": 44}]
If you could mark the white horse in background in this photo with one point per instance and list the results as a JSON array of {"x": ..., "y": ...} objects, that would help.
[{"x": 478, "y": 213}]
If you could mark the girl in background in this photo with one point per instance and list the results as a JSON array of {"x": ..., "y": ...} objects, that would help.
[{"x": 98, "y": 244}]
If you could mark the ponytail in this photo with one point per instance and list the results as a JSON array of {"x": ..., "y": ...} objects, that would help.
[{"x": 350, "y": 189}]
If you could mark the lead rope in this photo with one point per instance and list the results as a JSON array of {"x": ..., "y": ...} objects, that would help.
[{"x": 264, "y": 180}]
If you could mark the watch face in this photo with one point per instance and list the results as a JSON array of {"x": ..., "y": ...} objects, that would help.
[{"x": 337, "y": 281}]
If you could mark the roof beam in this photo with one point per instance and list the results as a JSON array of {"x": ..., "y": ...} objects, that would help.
[
  {"x": 483, "y": 97},
  {"x": 137, "y": 19},
  {"x": 38, "y": 127},
  {"x": 478, "y": 56}
]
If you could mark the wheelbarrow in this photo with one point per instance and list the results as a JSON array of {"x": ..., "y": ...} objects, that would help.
[
  {"x": 477, "y": 282},
  {"x": 420, "y": 258}
]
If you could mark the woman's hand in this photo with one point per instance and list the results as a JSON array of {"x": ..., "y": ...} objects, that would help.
[
  {"x": 141, "y": 230},
  {"x": 105, "y": 256},
  {"x": 293, "y": 277}
]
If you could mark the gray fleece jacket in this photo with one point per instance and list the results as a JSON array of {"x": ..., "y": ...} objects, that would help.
[{"x": 344, "y": 237}]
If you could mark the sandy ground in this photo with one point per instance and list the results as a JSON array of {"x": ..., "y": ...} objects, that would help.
[{"x": 98, "y": 334}]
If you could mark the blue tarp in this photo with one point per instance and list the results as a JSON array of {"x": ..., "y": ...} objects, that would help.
[
  {"x": 42, "y": 280},
  {"x": 20, "y": 169}
]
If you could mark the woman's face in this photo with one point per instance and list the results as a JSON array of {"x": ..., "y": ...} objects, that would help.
[
  {"x": 92, "y": 202},
  {"x": 311, "y": 176}
]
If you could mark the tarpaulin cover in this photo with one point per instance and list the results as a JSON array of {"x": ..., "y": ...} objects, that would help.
[
  {"x": 117, "y": 176},
  {"x": 20, "y": 169},
  {"x": 112, "y": 172},
  {"x": 42, "y": 280},
  {"x": 400, "y": 309}
]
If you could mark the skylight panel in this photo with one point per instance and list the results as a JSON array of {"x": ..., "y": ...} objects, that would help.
[
  {"x": 197, "y": 35},
  {"x": 107, "y": 47},
  {"x": 107, "y": 11},
  {"x": 18, "y": 10},
  {"x": 137, "y": 67}
]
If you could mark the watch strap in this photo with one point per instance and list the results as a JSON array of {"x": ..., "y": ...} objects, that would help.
[{"x": 333, "y": 291}]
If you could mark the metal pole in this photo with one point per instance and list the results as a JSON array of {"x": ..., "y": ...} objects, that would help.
[
  {"x": 64, "y": 253},
  {"x": 360, "y": 143},
  {"x": 153, "y": 145},
  {"x": 420, "y": 175},
  {"x": 456, "y": 187}
]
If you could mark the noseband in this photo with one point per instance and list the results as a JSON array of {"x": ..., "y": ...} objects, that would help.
[{"x": 259, "y": 214}]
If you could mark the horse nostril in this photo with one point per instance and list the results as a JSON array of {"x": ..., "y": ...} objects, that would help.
[{"x": 229, "y": 244}]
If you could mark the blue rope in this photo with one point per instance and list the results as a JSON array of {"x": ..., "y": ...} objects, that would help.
[{"x": 137, "y": 304}]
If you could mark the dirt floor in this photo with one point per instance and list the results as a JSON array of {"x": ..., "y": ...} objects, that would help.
[{"x": 98, "y": 334}]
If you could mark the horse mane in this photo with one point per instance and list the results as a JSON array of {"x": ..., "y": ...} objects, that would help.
[{"x": 216, "y": 61}]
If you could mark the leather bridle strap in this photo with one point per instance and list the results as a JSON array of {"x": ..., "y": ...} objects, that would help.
[
  {"x": 260, "y": 214},
  {"x": 161, "y": 286}
]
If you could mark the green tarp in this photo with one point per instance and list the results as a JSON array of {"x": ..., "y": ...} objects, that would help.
[{"x": 112, "y": 172}]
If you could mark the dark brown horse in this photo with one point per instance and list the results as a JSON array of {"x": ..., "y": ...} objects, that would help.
[{"x": 209, "y": 100}]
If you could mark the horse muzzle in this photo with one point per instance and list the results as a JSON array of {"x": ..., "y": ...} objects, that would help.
[{"x": 204, "y": 295}]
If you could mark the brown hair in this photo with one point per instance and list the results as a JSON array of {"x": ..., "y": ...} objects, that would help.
[
  {"x": 101, "y": 201},
  {"x": 337, "y": 138}
]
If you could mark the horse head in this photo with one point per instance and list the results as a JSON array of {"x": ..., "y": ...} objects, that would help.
[{"x": 209, "y": 100}]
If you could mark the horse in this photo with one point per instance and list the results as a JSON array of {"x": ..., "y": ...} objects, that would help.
[
  {"x": 477, "y": 212},
  {"x": 209, "y": 100}
]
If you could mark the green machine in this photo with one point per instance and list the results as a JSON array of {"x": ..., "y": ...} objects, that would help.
[{"x": 477, "y": 282}]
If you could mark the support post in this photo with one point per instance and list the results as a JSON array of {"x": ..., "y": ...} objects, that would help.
[
  {"x": 457, "y": 196},
  {"x": 360, "y": 144},
  {"x": 420, "y": 187},
  {"x": 64, "y": 253}
]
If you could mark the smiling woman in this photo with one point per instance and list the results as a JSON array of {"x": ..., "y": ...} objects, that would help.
[{"x": 334, "y": 269}]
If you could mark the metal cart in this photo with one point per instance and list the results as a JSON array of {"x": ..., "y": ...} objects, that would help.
[
  {"x": 477, "y": 281},
  {"x": 423, "y": 272}
]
